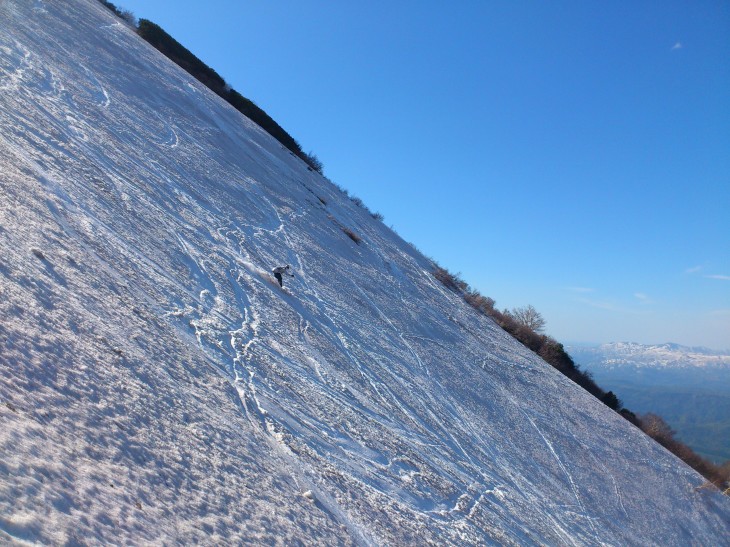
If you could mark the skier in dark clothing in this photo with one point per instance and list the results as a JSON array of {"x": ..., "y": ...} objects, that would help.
[{"x": 280, "y": 271}]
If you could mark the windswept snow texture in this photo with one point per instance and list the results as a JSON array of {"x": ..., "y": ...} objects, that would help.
[{"x": 157, "y": 385}]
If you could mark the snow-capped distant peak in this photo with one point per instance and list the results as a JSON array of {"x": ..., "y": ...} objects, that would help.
[{"x": 657, "y": 355}]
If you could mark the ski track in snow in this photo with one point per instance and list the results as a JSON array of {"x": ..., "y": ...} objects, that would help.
[
  {"x": 365, "y": 387},
  {"x": 573, "y": 486},
  {"x": 102, "y": 97},
  {"x": 377, "y": 386},
  {"x": 607, "y": 471}
]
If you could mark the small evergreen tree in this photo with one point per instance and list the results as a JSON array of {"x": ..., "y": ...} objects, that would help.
[{"x": 611, "y": 401}]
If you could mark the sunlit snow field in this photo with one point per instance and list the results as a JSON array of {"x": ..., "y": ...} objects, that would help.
[{"x": 157, "y": 386}]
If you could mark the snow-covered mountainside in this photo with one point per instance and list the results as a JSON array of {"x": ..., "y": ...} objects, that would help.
[
  {"x": 157, "y": 386},
  {"x": 622, "y": 354}
]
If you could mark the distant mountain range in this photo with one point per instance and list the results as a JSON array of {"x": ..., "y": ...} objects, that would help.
[
  {"x": 688, "y": 386},
  {"x": 630, "y": 354}
]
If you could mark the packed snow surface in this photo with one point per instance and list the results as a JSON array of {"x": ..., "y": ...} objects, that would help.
[{"x": 158, "y": 387}]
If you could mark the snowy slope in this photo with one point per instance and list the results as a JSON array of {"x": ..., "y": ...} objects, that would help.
[{"x": 156, "y": 387}]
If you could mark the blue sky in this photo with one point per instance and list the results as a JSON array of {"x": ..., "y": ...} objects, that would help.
[{"x": 570, "y": 155}]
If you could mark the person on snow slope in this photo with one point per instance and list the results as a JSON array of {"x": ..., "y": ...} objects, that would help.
[{"x": 281, "y": 271}]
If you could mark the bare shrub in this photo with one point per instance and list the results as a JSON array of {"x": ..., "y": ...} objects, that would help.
[
  {"x": 450, "y": 281},
  {"x": 482, "y": 303},
  {"x": 352, "y": 235},
  {"x": 313, "y": 161},
  {"x": 529, "y": 317},
  {"x": 129, "y": 17},
  {"x": 659, "y": 430},
  {"x": 124, "y": 14}
]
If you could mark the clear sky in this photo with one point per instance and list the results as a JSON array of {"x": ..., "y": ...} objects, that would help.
[{"x": 571, "y": 155}]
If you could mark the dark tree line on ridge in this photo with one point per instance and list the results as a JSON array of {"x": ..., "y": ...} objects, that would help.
[{"x": 184, "y": 58}]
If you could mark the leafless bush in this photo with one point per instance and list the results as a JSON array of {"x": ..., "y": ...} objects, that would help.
[
  {"x": 313, "y": 161},
  {"x": 482, "y": 303},
  {"x": 449, "y": 280},
  {"x": 352, "y": 235},
  {"x": 529, "y": 317},
  {"x": 655, "y": 426},
  {"x": 129, "y": 17}
]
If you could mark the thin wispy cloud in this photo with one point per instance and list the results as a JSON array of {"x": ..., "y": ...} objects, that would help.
[
  {"x": 677, "y": 45},
  {"x": 612, "y": 306},
  {"x": 693, "y": 270},
  {"x": 642, "y": 297},
  {"x": 600, "y": 304},
  {"x": 582, "y": 290},
  {"x": 720, "y": 277}
]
